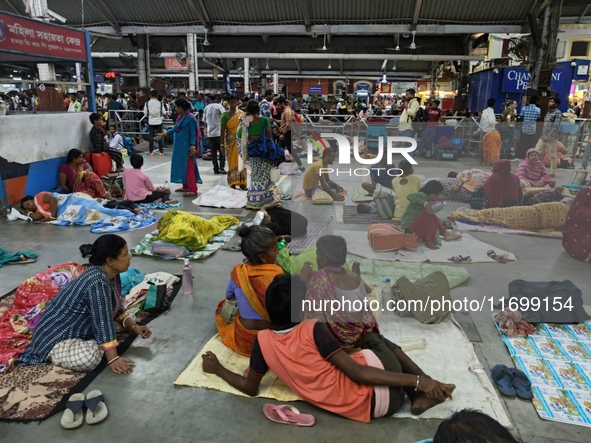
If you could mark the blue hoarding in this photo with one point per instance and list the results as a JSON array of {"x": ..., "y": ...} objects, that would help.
[{"x": 517, "y": 79}]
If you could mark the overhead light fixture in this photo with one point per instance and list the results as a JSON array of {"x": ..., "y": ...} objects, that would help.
[
  {"x": 413, "y": 45},
  {"x": 329, "y": 65},
  {"x": 397, "y": 43},
  {"x": 267, "y": 65},
  {"x": 384, "y": 78},
  {"x": 205, "y": 41},
  {"x": 394, "y": 66}
]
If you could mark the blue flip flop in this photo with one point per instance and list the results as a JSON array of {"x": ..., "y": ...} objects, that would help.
[
  {"x": 504, "y": 380},
  {"x": 521, "y": 384}
]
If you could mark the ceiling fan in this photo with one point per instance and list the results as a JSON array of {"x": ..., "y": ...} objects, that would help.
[{"x": 412, "y": 45}]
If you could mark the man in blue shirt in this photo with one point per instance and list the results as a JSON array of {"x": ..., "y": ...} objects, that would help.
[
  {"x": 530, "y": 114},
  {"x": 381, "y": 173}
]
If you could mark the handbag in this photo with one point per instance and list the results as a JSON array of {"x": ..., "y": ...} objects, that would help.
[
  {"x": 265, "y": 148},
  {"x": 159, "y": 299},
  {"x": 229, "y": 310},
  {"x": 385, "y": 204}
]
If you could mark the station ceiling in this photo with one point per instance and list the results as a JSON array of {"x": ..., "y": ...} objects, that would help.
[{"x": 289, "y": 36}]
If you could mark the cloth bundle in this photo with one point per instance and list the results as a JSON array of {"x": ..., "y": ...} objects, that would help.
[{"x": 512, "y": 325}]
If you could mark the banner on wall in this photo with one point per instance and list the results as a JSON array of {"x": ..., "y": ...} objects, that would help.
[
  {"x": 315, "y": 89},
  {"x": 32, "y": 37},
  {"x": 517, "y": 79}
]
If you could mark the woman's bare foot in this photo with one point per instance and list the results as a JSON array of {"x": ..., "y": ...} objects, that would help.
[
  {"x": 422, "y": 403},
  {"x": 431, "y": 246},
  {"x": 450, "y": 237},
  {"x": 172, "y": 201}
]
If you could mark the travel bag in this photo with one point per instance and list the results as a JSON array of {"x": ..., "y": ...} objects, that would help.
[{"x": 389, "y": 237}]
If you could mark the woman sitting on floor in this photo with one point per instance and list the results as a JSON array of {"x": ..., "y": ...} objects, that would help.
[
  {"x": 502, "y": 189},
  {"x": 420, "y": 219},
  {"x": 562, "y": 159},
  {"x": 138, "y": 186},
  {"x": 78, "y": 326},
  {"x": 533, "y": 171},
  {"x": 282, "y": 221},
  {"x": 403, "y": 186},
  {"x": 314, "y": 366},
  {"x": 246, "y": 290},
  {"x": 333, "y": 282},
  {"x": 76, "y": 175}
]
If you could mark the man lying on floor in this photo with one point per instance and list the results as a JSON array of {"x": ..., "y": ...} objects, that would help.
[{"x": 309, "y": 360}]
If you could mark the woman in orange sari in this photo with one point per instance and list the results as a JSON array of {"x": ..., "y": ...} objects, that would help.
[
  {"x": 230, "y": 121},
  {"x": 243, "y": 312},
  {"x": 491, "y": 149}
]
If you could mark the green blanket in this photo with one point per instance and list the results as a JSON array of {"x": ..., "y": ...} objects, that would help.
[{"x": 374, "y": 271}]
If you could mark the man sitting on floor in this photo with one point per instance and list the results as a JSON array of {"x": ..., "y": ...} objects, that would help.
[
  {"x": 317, "y": 178},
  {"x": 310, "y": 361}
]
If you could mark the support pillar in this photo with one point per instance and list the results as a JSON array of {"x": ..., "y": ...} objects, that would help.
[
  {"x": 246, "y": 75},
  {"x": 275, "y": 82},
  {"x": 79, "y": 77},
  {"x": 141, "y": 60},
  {"x": 192, "y": 60},
  {"x": 544, "y": 56},
  {"x": 434, "y": 73}
]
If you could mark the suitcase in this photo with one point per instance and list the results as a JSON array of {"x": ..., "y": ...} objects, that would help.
[
  {"x": 388, "y": 237},
  {"x": 101, "y": 163}
]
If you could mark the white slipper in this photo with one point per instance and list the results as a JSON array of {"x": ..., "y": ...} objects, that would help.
[
  {"x": 73, "y": 416},
  {"x": 97, "y": 410}
]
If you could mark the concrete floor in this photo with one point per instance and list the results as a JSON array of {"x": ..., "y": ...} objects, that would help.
[{"x": 145, "y": 406}]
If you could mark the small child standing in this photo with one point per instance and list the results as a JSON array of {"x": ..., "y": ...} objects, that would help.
[{"x": 139, "y": 187}]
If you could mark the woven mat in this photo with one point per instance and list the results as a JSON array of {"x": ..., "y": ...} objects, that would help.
[
  {"x": 349, "y": 216},
  {"x": 316, "y": 224},
  {"x": 546, "y": 233}
]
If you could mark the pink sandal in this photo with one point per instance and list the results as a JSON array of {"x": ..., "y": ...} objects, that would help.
[{"x": 287, "y": 415}]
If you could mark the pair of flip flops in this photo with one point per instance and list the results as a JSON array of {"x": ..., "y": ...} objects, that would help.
[
  {"x": 287, "y": 415},
  {"x": 460, "y": 259},
  {"x": 512, "y": 382},
  {"x": 501, "y": 258},
  {"x": 73, "y": 416},
  {"x": 22, "y": 260}
]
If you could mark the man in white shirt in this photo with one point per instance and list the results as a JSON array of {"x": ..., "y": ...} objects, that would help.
[
  {"x": 154, "y": 111},
  {"x": 488, "y": 121},
  {"x": 405, "y": 124},
  {"x": 211, "y": 116}
]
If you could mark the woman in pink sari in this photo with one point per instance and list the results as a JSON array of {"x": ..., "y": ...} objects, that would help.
[{"x": 76, "y": 176}]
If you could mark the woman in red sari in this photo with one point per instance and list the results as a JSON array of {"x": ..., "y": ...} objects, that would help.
[
  {"x": 502, "y": 188},
  {"x": 246, "y": 289},
  {"x": 76, "y": 176}
]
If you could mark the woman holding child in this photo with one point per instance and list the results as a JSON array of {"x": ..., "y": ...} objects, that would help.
[{"x": 243, "y": 313}]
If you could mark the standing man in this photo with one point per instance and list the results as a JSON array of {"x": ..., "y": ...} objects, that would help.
[
  {"x": 433, "y": 119},
  {"x": 287, "y": 120},
  {"x": 198, "y": 103},
  {"x": 154, "y": 111},
  {"x": 405, "y": 126},
  {"x": 294, "y": 103},
  {"x": 530, "y": 114},
  {"x": 550, "y": 133},
  {"x": 508, "y": 119},
  {"x": 266, "y": 105},
  {"x": 212, "y": 115},
  {"x": 112, "y": 106},
  {"x": 491, "y": 146}
]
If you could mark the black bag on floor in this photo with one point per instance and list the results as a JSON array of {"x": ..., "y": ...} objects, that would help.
[{"x": 549, "y": 302}]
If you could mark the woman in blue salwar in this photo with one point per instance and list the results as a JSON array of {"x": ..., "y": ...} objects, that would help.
[{"x": 184, "y": 168}]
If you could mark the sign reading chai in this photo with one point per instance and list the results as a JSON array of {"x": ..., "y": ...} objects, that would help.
[
  {"x": 31, "y": 37},
  {"x": 517, "y": 79}
]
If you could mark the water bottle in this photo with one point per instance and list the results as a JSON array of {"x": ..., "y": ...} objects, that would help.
[
  {"x": 165, "y": 184},
  {"x": 258, "y": 218},
  {"x": 187, "y": 278},
  {"x": 281, "y": 244},
  {"x": 386, "y": 291}
]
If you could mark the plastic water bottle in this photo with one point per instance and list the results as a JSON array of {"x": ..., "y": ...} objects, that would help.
[
  {"x": 165, "y": 184},
  {"x": 281, "y": 244},
  {"x": 386, "y": 291},
  {"x": 258, "y": 218},
  {"x": 187, "y": 278}
]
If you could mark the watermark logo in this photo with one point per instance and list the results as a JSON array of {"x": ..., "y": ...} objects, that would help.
[{"x": 344, "y": 148}]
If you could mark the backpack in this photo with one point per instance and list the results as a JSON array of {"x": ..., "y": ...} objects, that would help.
[
  {"x": 128, "y": 144},
  {"x": 421, "y": 115}
]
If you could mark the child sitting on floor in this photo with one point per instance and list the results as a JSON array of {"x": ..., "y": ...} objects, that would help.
[
  {"x": 310, "y": 361},
  {"x": 139, "y": 187}
]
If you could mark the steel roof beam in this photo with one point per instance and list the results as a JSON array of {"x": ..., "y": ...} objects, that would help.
[
  {"x": 305, "y": 6},
  {"x": 297, "y": 63},
  {"x": 415, "y": 16},
  {"x": 583, "y": 13},
  {"x": 291, "y": 30}
]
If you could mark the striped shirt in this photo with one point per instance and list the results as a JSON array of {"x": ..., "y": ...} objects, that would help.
[
  {"x": 530, "y": 114},
  {"x": 266, "y": 109},
  {"x": 84, "y": 308},
  {"x": 287, "y": 118},
  {"x": 552, "y": 121}
]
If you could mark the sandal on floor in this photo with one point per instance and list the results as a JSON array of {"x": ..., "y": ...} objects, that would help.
[
  {"x": 502, "y": 376},
  {"x": 287, "y": 415},
  {"x": 502, "y": 258},
  {"x": 73, "y": 416},
  {"x": 460, "y": 259},
  {"x": 23, "y": 260},
  {"x": 190, "y": 194},
  {"x": 236, "y": 247},
  {"x": 97, "y": 410},
  {"x": 521, "y": 384},
  {"x": 181, "y": 190}
]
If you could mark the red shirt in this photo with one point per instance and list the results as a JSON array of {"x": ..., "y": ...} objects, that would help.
[{"x": 433, "y": 116}]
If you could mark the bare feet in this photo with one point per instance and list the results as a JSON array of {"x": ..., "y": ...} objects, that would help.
[
  {"x": 339, "y": 198},
  {"x": 450, "y": 237},
  {"x": 172, "y": 201},
  {"x": 422, "y": 402},
  {"x": 431, "y": 246}
]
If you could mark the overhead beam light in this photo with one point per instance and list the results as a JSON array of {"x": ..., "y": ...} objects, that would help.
[
  {"x": 205, "y": 40},
  {"x": 329, "y": 65}
]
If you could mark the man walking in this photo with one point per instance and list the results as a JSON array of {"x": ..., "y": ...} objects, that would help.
[
  {"x": 530, "y": 114},
  {"x": 212, "y": 114},
  {"x": 154, "y": 110},
  {"x": 285, "y": 129},
  {"x": 408, "y": 114},
  {"x": 550, "y": 133}
]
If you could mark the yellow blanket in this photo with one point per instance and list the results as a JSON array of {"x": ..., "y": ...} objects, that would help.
[{"x": 191, "y": 231}]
